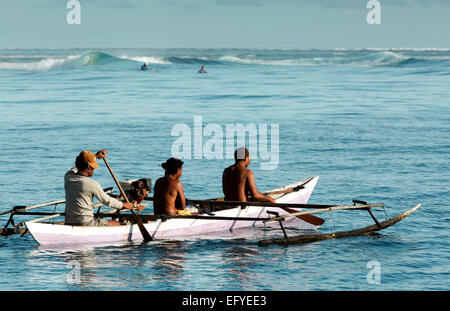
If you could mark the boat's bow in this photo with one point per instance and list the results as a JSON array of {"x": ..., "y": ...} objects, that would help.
[{"x": 298, "y": 192}]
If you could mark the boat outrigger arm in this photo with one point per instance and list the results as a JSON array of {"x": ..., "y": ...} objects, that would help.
[
  {"x": 22, "y": 210},
  {"x": 308, "y": 238}
]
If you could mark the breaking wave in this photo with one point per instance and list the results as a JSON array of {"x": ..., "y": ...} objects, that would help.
[
  {"x": 337, "y": 57},
  {"x": 48, "y": 62}
]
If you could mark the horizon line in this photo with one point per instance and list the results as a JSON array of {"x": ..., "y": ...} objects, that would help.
[{"x": 225, "y": 48}]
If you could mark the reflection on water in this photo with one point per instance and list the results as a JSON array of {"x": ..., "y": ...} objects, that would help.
[
  {"x": 169, "y": 260},
  {"x": 238, "y": 260},
  {"x": 227, "y": 257},
  {"x": 93, "y": 266}
]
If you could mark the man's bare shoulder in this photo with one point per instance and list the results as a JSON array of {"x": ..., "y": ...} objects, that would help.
[
  {"x": 237, "y": 170},
  {"x": 160, "y": 180},
  {"x": 228, "y": 171},
  {"x": 229, "y": 168},
  {"x": 174, "y": 183},
  {"x": 179, "y": 185},
  {"x": 244, "y": 171},
  {"x": 249, "y": 172}
]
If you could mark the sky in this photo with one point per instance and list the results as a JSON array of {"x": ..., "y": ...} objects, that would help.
[{"x": 287, "y": 24}]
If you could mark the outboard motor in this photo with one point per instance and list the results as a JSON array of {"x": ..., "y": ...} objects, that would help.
[{"x": 137, "y": 189}]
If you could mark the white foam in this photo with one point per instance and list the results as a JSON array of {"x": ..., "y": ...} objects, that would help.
[
  {"x": 42, "y": 65},
  {"x": 146, "y": 59},
  {"x": 255, "y": 61}
]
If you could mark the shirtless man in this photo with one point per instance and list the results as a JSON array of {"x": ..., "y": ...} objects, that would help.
[
  {"x": 238, "y": 182},
  {"x": 168, "y": 197}
]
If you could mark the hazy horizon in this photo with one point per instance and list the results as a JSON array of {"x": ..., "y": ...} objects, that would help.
[{"x": 224, "y": 24}]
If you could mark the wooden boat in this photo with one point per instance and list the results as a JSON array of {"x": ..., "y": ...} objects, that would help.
[{"x": 179, "y": 226}]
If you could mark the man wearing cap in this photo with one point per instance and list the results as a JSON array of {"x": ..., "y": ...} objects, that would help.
[
  {"x": 238, "y": 182},
  {"x": 81, "y": 190},
  {"x": 168, "y": 197}
]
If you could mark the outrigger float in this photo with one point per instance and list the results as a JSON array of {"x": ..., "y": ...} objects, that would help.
[{"x": 208, "y": 216}]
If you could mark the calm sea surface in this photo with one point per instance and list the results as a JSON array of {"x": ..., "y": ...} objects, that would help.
[{"x": 373, "y": 124}]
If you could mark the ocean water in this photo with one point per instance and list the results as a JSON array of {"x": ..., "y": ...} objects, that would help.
[{"x": 374, "y": 124}]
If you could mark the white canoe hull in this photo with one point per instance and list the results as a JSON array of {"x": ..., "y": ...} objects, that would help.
[{"x": 55, "y": 234}]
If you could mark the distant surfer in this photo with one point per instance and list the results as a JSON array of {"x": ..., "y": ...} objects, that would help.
[
  {"x": 202, "y": 70},
  {"x": 144, "y": 67}
]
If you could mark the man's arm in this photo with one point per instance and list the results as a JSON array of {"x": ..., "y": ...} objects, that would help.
[
  {"x": 224, "y": 183},
  {"x": 103, "y": 197},
  {"x": 110, "y": 201},
  {"x": 181, "y": 200},
  {"x": 256, "y": 195}
]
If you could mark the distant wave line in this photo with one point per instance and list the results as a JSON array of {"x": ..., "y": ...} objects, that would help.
[{"x": 373, "y": 58}]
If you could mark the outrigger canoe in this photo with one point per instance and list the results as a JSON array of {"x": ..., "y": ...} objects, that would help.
[{"x": 175, "y": 227}]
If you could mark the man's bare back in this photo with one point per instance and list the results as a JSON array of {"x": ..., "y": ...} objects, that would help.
[
  {"x": 238, "y": 182},
  {"x": 234, "y": 182},
  {"x": 168, "y": 191}
]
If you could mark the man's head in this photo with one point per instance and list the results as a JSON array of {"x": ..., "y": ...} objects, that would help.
[
  {"x": 173, "y": 166},
  {"x": 242, "y": 154},
  {"x": 85, "y": 162}
]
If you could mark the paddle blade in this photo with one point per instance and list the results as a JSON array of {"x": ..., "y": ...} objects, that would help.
[
  {"x": 147, "y": 237},
  {"x": 314, "y": 220}
]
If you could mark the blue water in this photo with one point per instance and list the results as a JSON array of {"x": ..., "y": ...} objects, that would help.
[{"x": 374, "y": 124}]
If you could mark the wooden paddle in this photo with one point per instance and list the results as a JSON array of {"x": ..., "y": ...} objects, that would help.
[
  {"x": 147, "y": 237},
  {"x": 317, "y": 221},
  {"x": 314, "y": 220}
]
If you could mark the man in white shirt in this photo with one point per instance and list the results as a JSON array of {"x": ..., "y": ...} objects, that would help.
[{"x": 81, "y": 190}]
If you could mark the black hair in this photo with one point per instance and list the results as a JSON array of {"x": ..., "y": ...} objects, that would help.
[
  {"x": 81, "y": 164},
  {"x": 172, "y": 165}
]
